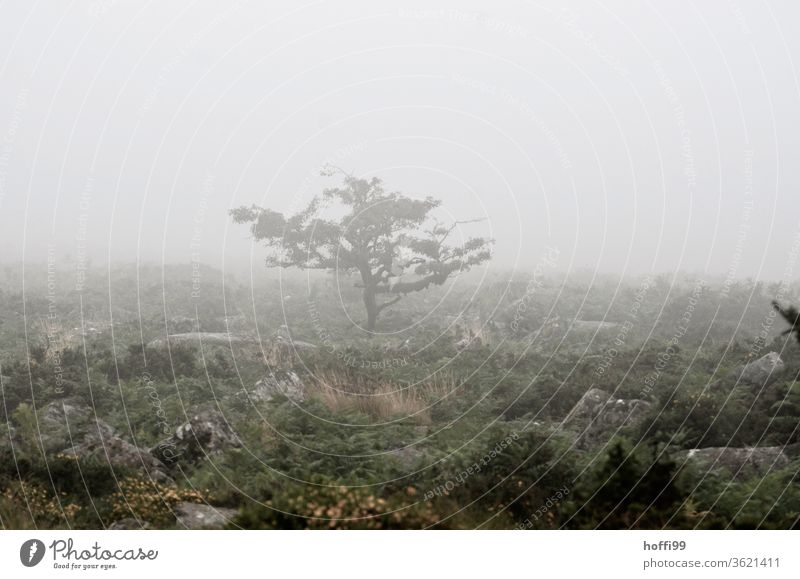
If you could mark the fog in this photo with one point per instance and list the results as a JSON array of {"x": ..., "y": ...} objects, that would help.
[{"x": 653, "y": 137}]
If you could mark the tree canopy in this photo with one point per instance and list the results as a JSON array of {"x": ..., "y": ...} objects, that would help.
[{"x": 389, "y": 239}]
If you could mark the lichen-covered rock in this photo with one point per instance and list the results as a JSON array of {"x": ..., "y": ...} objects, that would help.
[
  {"x": 67, "y": 422},
  {"x": 279, "y": 382},
  {"x": 120, "y": 454},
  {"x": 762, "y": 372},
  {"x": 740, "y": 461},
  {"x": 80, "y": 418},
  {"x": 198, "y": 516},
  {"x": 597, "y": 416},
  {"x": 205, "y": 433}
]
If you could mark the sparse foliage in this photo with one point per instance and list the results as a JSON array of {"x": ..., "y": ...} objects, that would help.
[{"x": 389, "y": 239}]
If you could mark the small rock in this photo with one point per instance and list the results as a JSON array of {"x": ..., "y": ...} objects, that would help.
[
  {"x": 279, "y": 382},
  {"x": 199, "y": 516},
  {"x": 469, "y": 343},
  {"x": 129, "y": 524}
]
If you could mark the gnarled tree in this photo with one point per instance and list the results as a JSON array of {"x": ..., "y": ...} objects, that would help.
[{"x": 389, "y": 239}]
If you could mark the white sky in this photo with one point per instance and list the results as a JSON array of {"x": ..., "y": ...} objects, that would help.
[{"x": 634, "y": 137}]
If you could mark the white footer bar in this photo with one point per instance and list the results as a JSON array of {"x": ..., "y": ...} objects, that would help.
[{"x": 400, "y": 554}]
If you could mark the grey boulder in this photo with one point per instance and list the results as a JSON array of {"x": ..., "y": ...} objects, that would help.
[
  {"x": 199, "y": 516},
  {"x": 740, "y": 462},
  {"x": 119, "y": 453},
  {"x": 206, "y": 433},
  {"x": 597, "y": 416},
  {"x": 762, "y": 372},
  {"x": 279, "y": 383}
]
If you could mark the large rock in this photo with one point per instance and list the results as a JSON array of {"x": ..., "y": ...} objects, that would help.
[
  {"x": 199, "y": 516},
  {"x": 80, "y": 420},
  {"x": 762, "y": 372},
  {"x": 67, "y": 422},
  {"x": 120, "y": 454},
  {"x": 205, "y": 433},
  {"x": 279, "y": 383},
  {"x": 597, "y": 416},
  {"x": 59, "y": 412},
  {"x": 72, "y": 429},
  {"x": 740, "y": 462},
  {"x": 296, "y": 345},
  {"x": 197, "y": 338}
]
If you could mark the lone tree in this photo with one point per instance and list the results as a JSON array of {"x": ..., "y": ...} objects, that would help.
[{"x": 390, "y": 240}]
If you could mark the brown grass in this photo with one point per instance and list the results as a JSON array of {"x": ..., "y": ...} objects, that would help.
[{"x": 382, "y": 400}]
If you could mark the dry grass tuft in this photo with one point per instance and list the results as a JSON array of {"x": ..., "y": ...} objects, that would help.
[{"x": 382, "y": 400}]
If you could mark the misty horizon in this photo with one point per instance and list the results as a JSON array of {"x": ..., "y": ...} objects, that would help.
[
  {"x": 629, "y": 161},
  {"x": 67, "y": 264}
]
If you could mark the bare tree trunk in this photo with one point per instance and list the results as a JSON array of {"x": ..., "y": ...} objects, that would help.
[{"x": 372, "y": 307}]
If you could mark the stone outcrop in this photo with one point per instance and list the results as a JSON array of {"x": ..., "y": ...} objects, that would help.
[
  {"x": 197, "y": 338},
  {"x": 68, "y": 420},
  {"x": 59, "y": 424},
  {"x": 120, "y": 454},
  {"x": 70, "y": 428},
  {"x": 740, "y": 462},
  {"x": 597, "y": 416},
  {"x": 206, "y": 433},
  {"x": 762, "y": 372},
  {"x": 279, "y": 383}
]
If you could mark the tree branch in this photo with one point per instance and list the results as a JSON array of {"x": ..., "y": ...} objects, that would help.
[
  {"x": 391, "y": 302},
  {"x": 456, "y": 224},
  {"x": 437, "y": 278}
]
